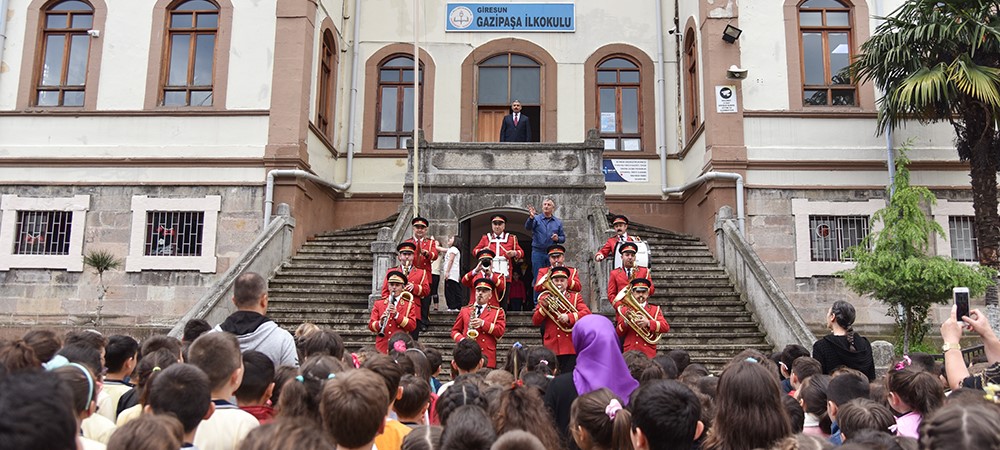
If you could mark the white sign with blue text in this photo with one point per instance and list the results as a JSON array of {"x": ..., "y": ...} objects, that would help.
[{"x": 506, "y": 17}]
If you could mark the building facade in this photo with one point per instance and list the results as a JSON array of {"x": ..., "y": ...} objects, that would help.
[{"x": 147, "y": 128}]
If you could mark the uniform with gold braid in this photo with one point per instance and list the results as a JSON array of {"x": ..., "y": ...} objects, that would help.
[
  {"x": 639, "y": 323},
  {"x": 558, "y": 311},
  {"x": 621, "y": 277},
  {"x": 486, "y": 327},
  {"x": 392, "y": 313}
]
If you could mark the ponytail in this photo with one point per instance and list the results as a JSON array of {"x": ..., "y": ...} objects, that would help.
[
  {"x": 17, "y": 356},
  {"x": 300, "y": 396},
  {"x": 844, "y": 313},
  {"x": 621, "y": 431}
]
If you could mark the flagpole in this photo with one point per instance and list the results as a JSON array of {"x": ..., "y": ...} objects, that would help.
[{"x": 416, "y": 108}]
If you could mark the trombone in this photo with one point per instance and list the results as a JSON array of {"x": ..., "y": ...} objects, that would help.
[
  {"x": 633, "y": 312},
  {"x": 384, "y": 320}
]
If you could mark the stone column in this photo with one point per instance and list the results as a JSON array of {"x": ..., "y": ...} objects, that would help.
[{"x": 383, "y": 257}]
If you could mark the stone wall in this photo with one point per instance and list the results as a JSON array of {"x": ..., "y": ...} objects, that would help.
[{"x": 146, "y": 298}]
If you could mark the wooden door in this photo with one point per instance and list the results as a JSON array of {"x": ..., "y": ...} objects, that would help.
[{"x": 488, "y": 124}]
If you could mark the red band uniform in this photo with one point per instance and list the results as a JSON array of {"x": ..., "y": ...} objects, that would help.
[
  {"x": 403, "y": 319},
  {"x": 500, "y": 241},
  {"x": 418, "y": 280},
  {"x": 484, "y": 256},
  {"x": 620, "y": 223},
  {"x": 620, "y": 277},
  {"x": 557, "y": 259},
  {"x": 426, "y": 249},
  {"x": 642, "y": 288},
  {"x": 560, "y": 342},
  {"x": 494, "y": 321}
]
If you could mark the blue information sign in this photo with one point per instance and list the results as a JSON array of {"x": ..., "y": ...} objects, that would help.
[{"x": 550, "y": 17}]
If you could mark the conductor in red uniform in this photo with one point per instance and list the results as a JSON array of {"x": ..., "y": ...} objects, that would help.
[
  {"x": 483, "y": 270},
  {"x": 642, "y": 288},
  {"x": 620, "y": 277},
  {"x": 557, "y": 258},
  {"x": 621, "y": 236},
  {"x": 482, "y": 321},
  {"x": 554, "y": 338},
  {"x": 392, "y": 313}
]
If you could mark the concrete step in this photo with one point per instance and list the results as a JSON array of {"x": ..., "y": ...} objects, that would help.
[{"x": 334, "y": 264}]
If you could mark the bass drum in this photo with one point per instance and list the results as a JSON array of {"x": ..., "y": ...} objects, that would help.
[{"x": 641, "y": 256}]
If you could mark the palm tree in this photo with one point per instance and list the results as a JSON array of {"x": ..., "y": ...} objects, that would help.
[{"x": 938, "y": 61}]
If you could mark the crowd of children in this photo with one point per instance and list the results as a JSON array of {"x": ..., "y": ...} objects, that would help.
[{"x": 87, "y": 391}]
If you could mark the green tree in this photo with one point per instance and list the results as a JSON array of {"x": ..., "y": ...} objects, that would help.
[
  {"x": 101, "y": 261},
  {"x": 938, "y": 61},
  {"x": 892, "y": 265}
]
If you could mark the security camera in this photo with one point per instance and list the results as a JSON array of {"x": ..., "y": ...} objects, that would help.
[
  {"x": 94, "y": 33},
  {"x": 672, "y": 31},
  {"x": 736, "y": 73}
]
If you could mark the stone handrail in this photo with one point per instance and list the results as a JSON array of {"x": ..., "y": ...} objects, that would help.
[
  {"x": 774, "y": 312},
  {"x": 384, "y": 250},
  {"x": 266, "y": 254}
]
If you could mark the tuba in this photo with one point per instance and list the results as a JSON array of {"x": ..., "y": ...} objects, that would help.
[
  {"x": 384, "y": 321},
  {"x": 633, "y": 312},
  {"x": 552, "y": 303}
]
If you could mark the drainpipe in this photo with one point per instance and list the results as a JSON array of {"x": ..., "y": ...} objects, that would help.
[
  {"x": 3, "y": 27},
  {"x": 740, "y": 214},
  {"x": 269, "y": 189},
  {"x": 353, "y": 118},
  {"x": 661, "y": 105}
]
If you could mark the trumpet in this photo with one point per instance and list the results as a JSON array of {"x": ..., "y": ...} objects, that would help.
[
  {"x": 553, "y": 303},
  {"x": 384, "y": 320},
  {"x": 633, "y": 312}
]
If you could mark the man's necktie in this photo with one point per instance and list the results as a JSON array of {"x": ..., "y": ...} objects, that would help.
[
  {"x": 515, "y": 119},
  {"x": 479, "y": 310}
]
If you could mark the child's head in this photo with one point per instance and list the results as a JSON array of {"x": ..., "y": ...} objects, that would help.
[
  {"x": 423, "y": 437},
  {"x": 598, "y": 418},
  {"x": 194, "y": 328},
  {"x": 843, "y": 388},
  {"x": 149, "y": 432},
  {"x": 961, "y": 426},
  {"x": 322, "y": 342},
  {"x": 668, "y": 365},
  {"x": 182, "y": 390},
  {"x": 523, "y": 408},
  {"x": 516, "y": 359},
  {"x": 434, "y": 359},
  {"x": 802, "y": 368},
  {"x": 121, "y": 352},
  {"x": 390, "y": 372},
  {"x": 415, "y": 400},
  {"x": 681, "y": 359},
  {"x": 300, "y": 394},
  {"x": 467, "y": 356},
  {"x": 637, "y": 363},
  {"x": 796, "y": 416},
  {"x": 914, "y": 390},
  {"x": 458, "y": 395},
  {"x": 286, "y": 434},
  {"x": 82, "y": 385},
  {"x": 92, "y": 338},
  {"x": 45, "y": 343},
  {"x": 35, "y": 408},
  {"x": 542, "y": 360},
  {"x": 150, "y": 365},
  {"x": 812, "y": 396},
  {"x": 675, "y": 431},
  {"x": 281, "y": 376},
  {"x": 353, "y": 406},
  {"x": 218, "y": 355},
  {"x": 517, "y": 440},
  {"x": 469, "y": 428},
  {"x": 18, "y": 356},
  {"x": 863, "y": 414},
  {"x": 160, "y": 341},
  {"x": 83, "y": 354},
  {"x": 258, "y": 378},
  {"x": 787, "y": 358}
]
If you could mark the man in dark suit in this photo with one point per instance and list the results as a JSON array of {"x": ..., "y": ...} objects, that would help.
[{"x": 516, "y": 126}]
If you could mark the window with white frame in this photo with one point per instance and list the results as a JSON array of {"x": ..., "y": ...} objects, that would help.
[
  {"x": 43, "y": 233},
  {"x": 173, "y": 233},
  {"x": 962, "y": 235},
  {"x": 824, "y": 230}
]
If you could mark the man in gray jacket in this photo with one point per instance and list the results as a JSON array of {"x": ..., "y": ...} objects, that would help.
[{"x": 252, "y": 328}]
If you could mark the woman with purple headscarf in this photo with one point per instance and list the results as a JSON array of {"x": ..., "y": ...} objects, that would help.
[{"x": 599, "y": 364}]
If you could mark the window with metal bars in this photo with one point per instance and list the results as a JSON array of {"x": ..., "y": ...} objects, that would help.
[
  {"x": 43, "y": 232},
  {"x": 174, "y": 233},
  {"x": 830, "y": 236},
  {"x": 962, "y": 235}
]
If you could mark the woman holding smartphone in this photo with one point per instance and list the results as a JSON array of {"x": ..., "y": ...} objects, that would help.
[{"x": 844, "y": 347}]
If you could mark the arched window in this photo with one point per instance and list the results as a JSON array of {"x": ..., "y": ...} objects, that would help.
[
  {"x": 502, "y": 79},
  {"x": 62, "y": 78},
  {"x": 618, "y": 104},
  {"x": 692, "y": 103},
  {"x": 827, "y": 48},
  {"x": 395, "y": 102},
  {"x": 327, "y": 84},
  {"x": 189, "y": 56}
]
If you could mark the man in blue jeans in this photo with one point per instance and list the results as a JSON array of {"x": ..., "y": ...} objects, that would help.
[{"x": 546, "y": 230}]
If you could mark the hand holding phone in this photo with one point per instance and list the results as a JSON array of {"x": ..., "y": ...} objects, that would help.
[{"x": 961, "y": 296}]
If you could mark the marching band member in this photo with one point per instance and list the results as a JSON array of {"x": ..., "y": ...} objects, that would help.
[
  {"x": 557, "y": 258},
  {"x": 621, "y": 236},
  {"x": 500, "y": 241},
  {"x": 392, "y": 313},
  {"x": 620, "y": 277},
  {"x": 554, "y": 338},
  {"x": 482, "y": 322},
  {"x": 418, "y": 281},
  {"x": 483, "y": 270},
  {"x": 426, "y": 252},
  {"x": 642, "y": 288}
]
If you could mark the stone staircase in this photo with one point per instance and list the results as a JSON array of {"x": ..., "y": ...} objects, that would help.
[{"x": 329, "y": 280}]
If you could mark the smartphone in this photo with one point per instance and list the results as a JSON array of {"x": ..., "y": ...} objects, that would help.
[{"x": 961, "y": 295}]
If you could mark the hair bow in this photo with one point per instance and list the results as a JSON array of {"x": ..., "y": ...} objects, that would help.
[
  {"x": 355, "y": 360},
  {"x": 612, "y": 409},
  {"x": 904, "y": 363},
  {"x": 399, "y": 346},
  {"x": 543, "y": 362}
]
